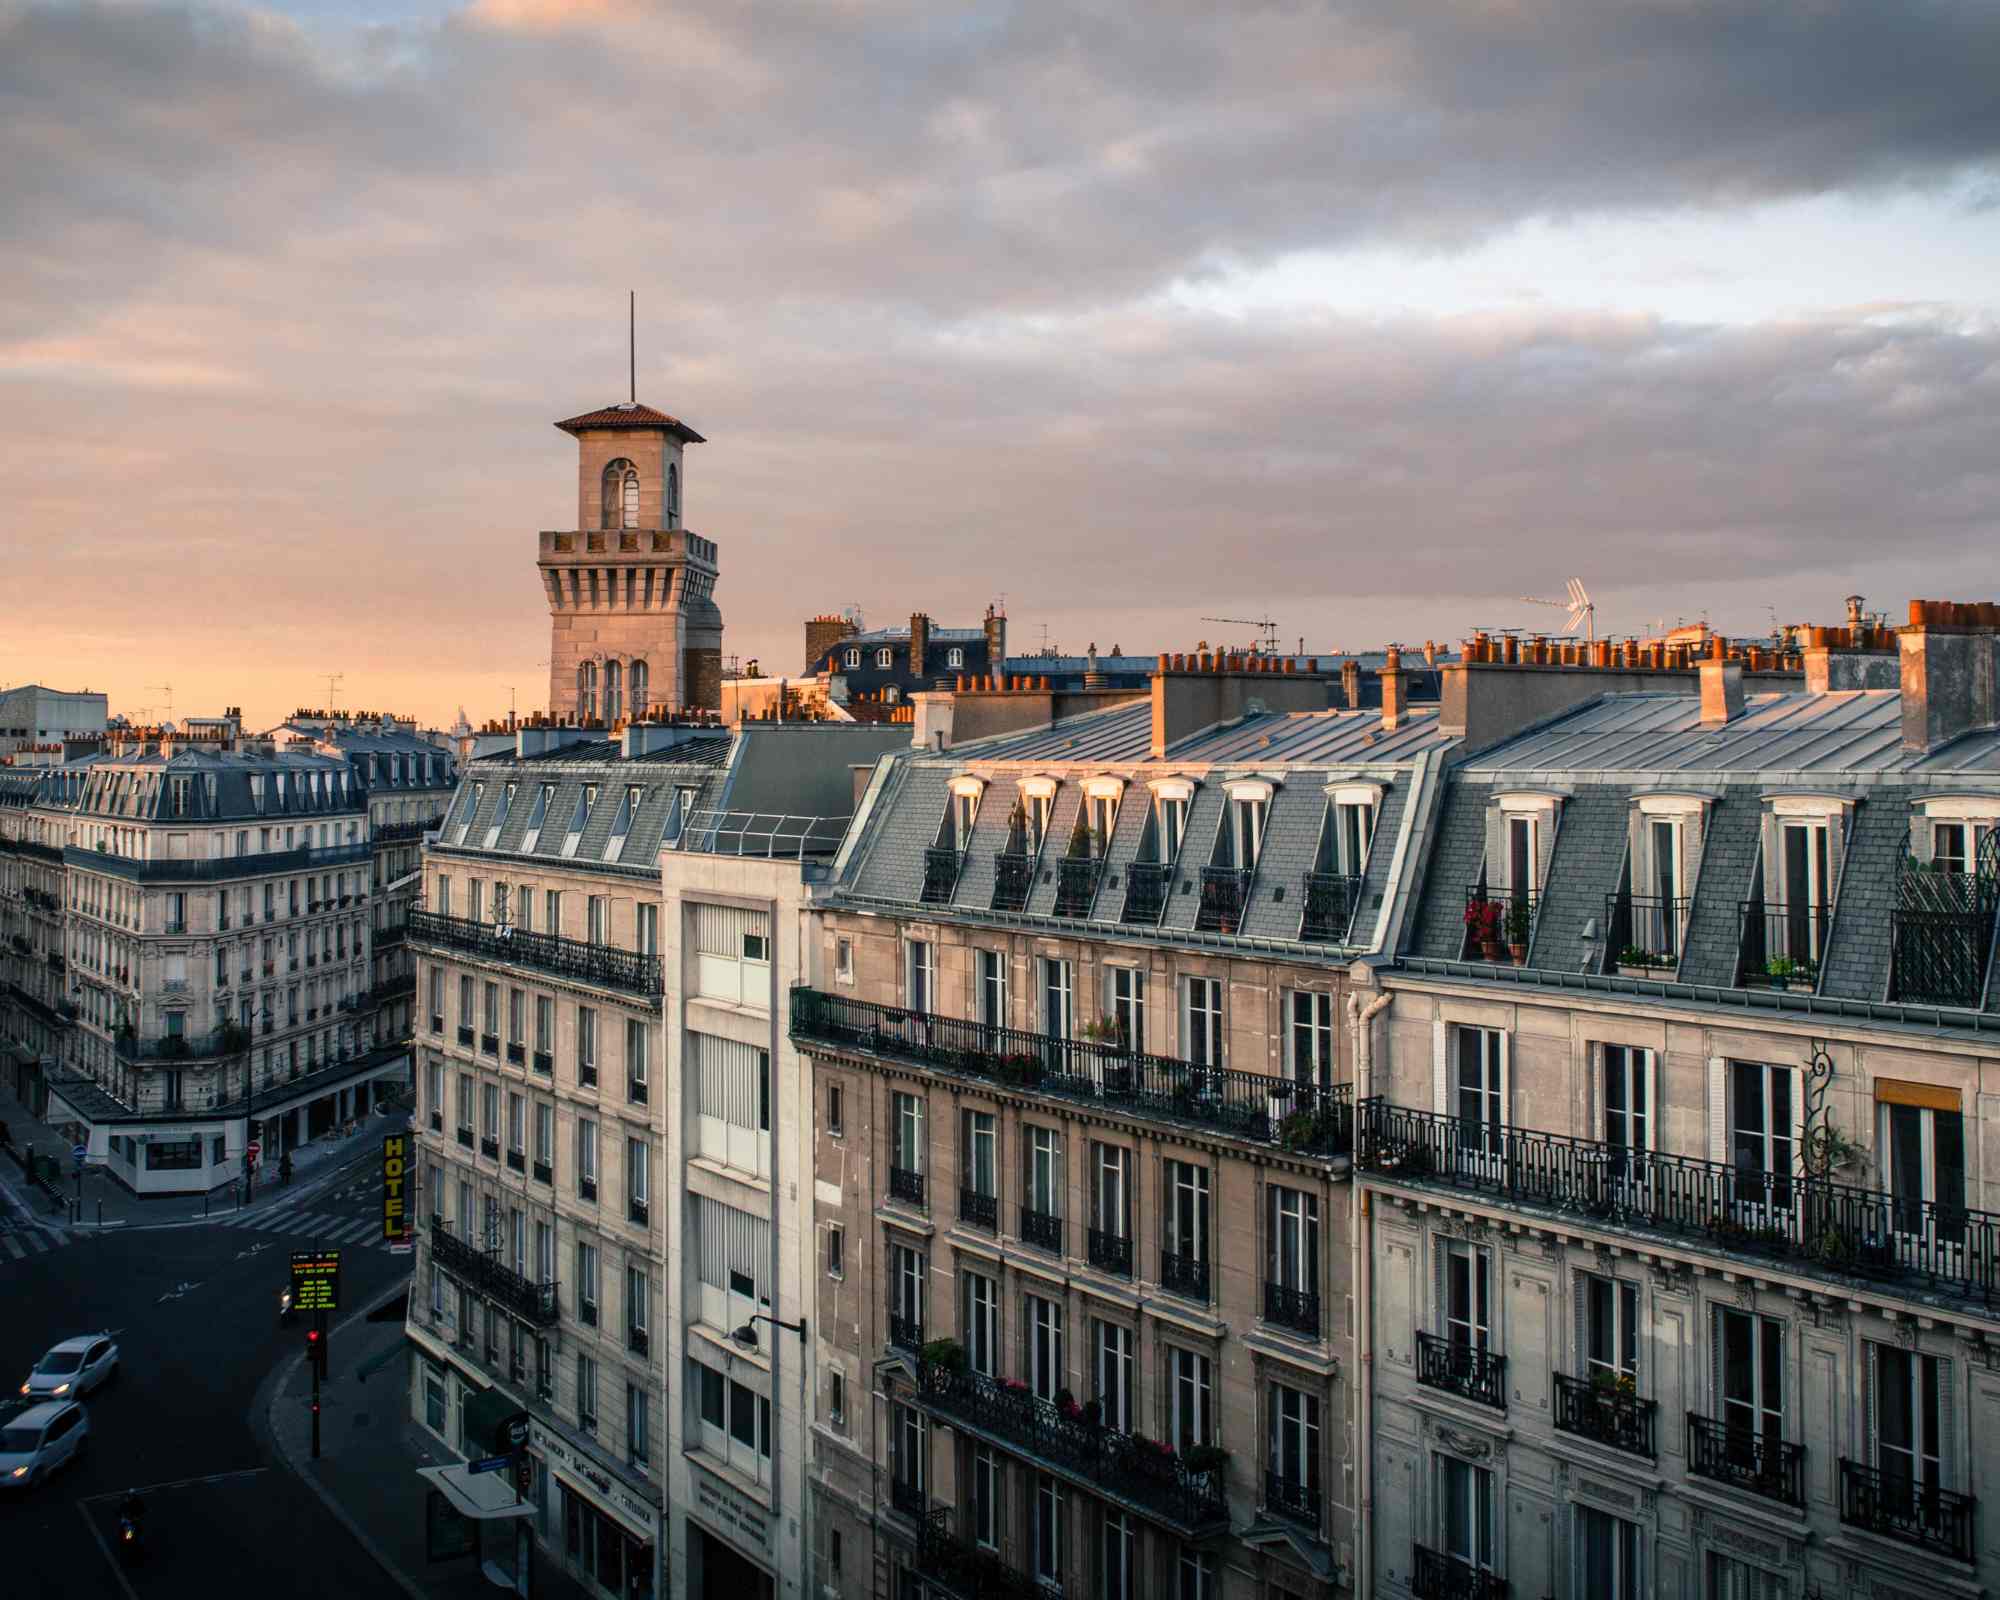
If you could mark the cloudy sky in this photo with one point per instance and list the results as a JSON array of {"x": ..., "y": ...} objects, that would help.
[{"x": 1374, "y": 315}]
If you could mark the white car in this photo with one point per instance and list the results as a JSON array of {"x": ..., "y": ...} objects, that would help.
[
  {"x": 73, "y": 1368},
  {"x": 34, "y": 1442}
]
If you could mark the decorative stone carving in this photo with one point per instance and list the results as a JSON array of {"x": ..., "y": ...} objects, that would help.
[
  {"x": 1469, "y": 1445},
  {"x": 1672, "y": 1277},
  {"x": 1732, "y": 1536}
]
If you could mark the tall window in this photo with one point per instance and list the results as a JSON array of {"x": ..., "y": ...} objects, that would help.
[
  {"x": 1309, "y": 1038},
  {"x": 1111, "y": 1189},
  {"x": 1465, "y": 1513},
  {"x": 981, "y": 1156},
  {"x": 1763, "y": 1120},
  {"x": 1201, "y": 1021},
  {"x": 1292, "y": 1229},
  {"x": 586, "y": 1046},
  {"x": 1466, "y": 1293},
  {"x": 1804, "y": 892},
  {"x": 1749, "y": 1357},
  {"x": 673, "y": 495},
  {"x": 984, "y": 1507},
  {"x": 1192, "y": 1396},
  {"x": 1186, "y": 1232},
  {"x": 1911, "y": 1406},
  {"x": 1921, "y": 1136},
  {"x": 639, "y": 681},
  {"x": 906, "y": 1289},
  {"x": 1294, "y": 1443},
  {"x": 1112, "y": 1368},
  {"x": 1115, "y": 1556},
  {"x": 911, "y": 1451},
  {"x": 980, "y": 1323},
  {"x": 923, "y": 975},
  {"x": 907, "y": 1130},
  {"x": 1609, "y": 1322},
  {"x": 1058, "y": 1008},
  {"x": 1245, "y": 831},
  {"x": 1627, "y": 1077},
  {"x": 1170, "y": 826},
  {"x": 1048, "y": 1534},
  {"x": 1046, "y": 1370},
  {"x": 992, "y": 968},
  {"x": 1045, "y": 1175},
  {"x": 1127, "y": 997}
]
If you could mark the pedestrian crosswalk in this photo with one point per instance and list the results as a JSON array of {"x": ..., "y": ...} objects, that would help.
[
  {"x": 310, "y": 1227},
  {"x": 29, "y": 1239}
]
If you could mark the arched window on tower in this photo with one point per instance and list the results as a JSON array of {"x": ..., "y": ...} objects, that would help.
[
  {"x": 620, "y": 498},
  {"x": 673, "y": 495},
  {"x": 637, "y": 682},
  {"x": 586, "y": 690},
  {"x": 613, "y": 698}
]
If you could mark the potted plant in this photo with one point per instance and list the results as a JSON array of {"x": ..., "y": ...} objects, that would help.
[
  {"x": 1202, "y": 1459},
  {"x": 1636, "y": 961},
  {"x": 1297, "y": 1130},
  {"x": 1482, "y": 927},
  {"x": 1785, "y": 972},
  {"x": 1607, "y": 1382},
  {"x": 947, "y": 1354},
  {"x": 1519, "y": 927}
]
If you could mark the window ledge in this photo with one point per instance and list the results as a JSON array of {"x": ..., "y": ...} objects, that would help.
[{"x": 720, "y": 1344}]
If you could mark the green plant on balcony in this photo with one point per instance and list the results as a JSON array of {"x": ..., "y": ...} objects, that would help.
[
  {"x": 1105, "y": 1030},
  {"x": 1202, "y": 1459},
  {"x": 235, "y": 1037},
  {"x": 1519, "y": 923},
  {"x": 1606, "y": 1382},
  {"x": 1634, "y": 955},
  {"x": 1298, "y": 1130},
  {"x": 946, "y": 1354},
  {"x": 1021, "y": 1067},
  {"x": 1794, "y": 972},
  {"x": 1828, "y": 1150}
]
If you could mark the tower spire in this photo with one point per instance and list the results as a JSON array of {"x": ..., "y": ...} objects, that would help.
[{"x": 632, "y": 339}]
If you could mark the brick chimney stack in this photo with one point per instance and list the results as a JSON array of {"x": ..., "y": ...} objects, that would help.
[
  {"x": 1350, "y": 683},
  {"x": 920, "y": 642},
  {"x": 1721, "y": 686},
  {"x": 1950, "y": 668},
  {"x": 1395, "y": 696},
  {"x": 996, "y": 640}
]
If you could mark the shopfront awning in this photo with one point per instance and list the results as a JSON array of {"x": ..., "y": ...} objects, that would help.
[{"x": 483, "y": 1496}]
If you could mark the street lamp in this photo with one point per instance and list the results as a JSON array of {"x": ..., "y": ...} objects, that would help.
[{"x": 746, "y": 1336}]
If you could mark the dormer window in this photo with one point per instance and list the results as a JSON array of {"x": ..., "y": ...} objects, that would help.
[
  {"x": 621, "y": 825},
  {"x": 954, "y": 657},
  {"x": 1100, "y": 813},
  {"x": 536, "y": 817},
  {"x": 963, "y": 811},
  {"x": 470, "y": 805},
  {"x": 851, "y": 659},
  {"x": 885, "y": 658},
  {"x": 1242, "y": 836},
  {"x": 1649, "y": 928},
  {"x": 500, "y": 815},
  {"x": 1038, "y": 803},
  {"x": 579, "y": 818}
]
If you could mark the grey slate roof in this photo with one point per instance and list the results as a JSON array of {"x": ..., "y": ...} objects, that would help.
[
  {"x": 1458, "y": 851},
  {"x": 1730, "y": 865},
  {"x": 296, "y": 788}
]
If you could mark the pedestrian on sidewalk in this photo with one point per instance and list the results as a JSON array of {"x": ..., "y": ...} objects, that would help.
[
  {"x": 6, "y": 1139},
  {"x": 285, "y": 1169}
]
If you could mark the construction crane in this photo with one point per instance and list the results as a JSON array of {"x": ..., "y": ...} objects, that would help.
[
  {"x": 1267, "y": 630},
  {"x": 1579, "y": 605}
]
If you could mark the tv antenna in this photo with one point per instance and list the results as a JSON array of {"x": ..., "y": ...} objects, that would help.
[
  {"x": 333, "y": 682},
  {"x": 1579, "y": 605},
  {"x": 166, "y": 689},
  {"x": 1267, "y": 630}
]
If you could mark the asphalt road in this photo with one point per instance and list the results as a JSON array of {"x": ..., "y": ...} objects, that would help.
[{"x": 195, "y": 1309}]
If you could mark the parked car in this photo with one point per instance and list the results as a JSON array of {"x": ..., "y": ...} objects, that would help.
[
  {"x": 73, "y": 1368},
  {"x": 35, "y": 1442}
]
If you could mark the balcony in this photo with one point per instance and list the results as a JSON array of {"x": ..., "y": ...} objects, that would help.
[
  {"x": 1042, "y": 1230},
  {"x": 534, "y": 1303},
  {"x": 1815, "y": 1225},
  {"x": 405, "y": 832},
  {"x": 1287, "y": 1497},
  {"x": 1145, "y": 893},
  {"x": 942, "y": 865},
  {"x": 1436, "y": 1576},
  {"x": 967, "y": 1570},
  {"x": 228, "y": 1040},
  {"x": 1148, "y": 1476},
  {"x": 465, "y": 1137},
  {"x": 1746, "y": 1459},
  {"x": 517, "y": 1053},
  {"x": 1606, "y": 1411},
  {"x": 1183, "y": 1275},
  {"x": 209, "y": 870},
  {"x": 543, "y": 1062},
  {"x": 1296, "y": 1310},
  {"x": 1076, "y": 884},
  {"x": 1782, "y": 946},
  {"x": 1645, "y": 933},
  {"x": 1225, "y": 891},
  {"x": 489, "y": 1147},
  {"x": 599, "y": 965},
  {"x": 1499, "y": 923},
  {"x": 908, "y": 1498},
  {"x": 465, "y": 1037},
  {"x": 1110, "y": 1252},
  {"x": 1013, "y": 877},
  {"x": 978, "y": 1210},
  {"x": 1465, "y": 1370},
  {"x": 390, "y": 936},
  {"x": 906, "y": 1333},
  {"x": 1890, "y": 1505},
  {"x": 518, "y": 1160},
  {"x": 1331, "y": 899},
  {"x": 544, "y": 1173},
  {"x": 1247, "y": 1105},
  {"x": 907, "y": 1185},
  {"x": 1941, "y": 933}
]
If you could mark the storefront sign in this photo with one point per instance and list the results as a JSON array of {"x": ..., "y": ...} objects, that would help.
[
  {"x": 395, "y": 1182},
  {"x": 594, "y": 1484},
  {"x": 315, "y": 1280},
  {"x": 738, "y": 1519}
]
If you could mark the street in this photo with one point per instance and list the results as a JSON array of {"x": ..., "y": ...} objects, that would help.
[{"x": 194, "y": 1312}]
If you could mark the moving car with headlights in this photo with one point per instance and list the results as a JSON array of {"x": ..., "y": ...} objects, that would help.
[
  {"x": 35, "y": 1442},
  {"x": 73, "y": 1368}
]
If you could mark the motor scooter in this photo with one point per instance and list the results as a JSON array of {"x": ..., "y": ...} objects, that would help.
[
  {"x": 131, "y": 1543},
  {"x": 285, "y": 1312}
]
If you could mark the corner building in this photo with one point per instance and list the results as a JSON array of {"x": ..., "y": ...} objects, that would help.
[{"x": 1084, "y": 1120}]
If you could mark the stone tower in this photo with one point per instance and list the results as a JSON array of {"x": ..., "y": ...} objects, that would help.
[{"x": 632, "y": 622}]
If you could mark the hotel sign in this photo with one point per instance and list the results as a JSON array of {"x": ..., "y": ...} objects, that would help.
[{"x": 395, "y": 1187}]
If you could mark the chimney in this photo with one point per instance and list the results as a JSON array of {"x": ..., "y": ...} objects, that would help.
[
  {"x": 1721, "y": 687},
  {"x": 1395, "y": 700},
  {"x": 540, "y": 741},
  {"x": 1093, "y": 675},
  {"x": 920, "y": 643},
  {"x": 996, "y": 640},
  {"x": 1950, "y": 660},
  {"x": 1350, "y": 683}
]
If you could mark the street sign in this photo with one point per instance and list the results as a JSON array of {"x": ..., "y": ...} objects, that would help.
[
  {"x": 490, "y": 1464},
  {"x": 524, "y": 1474},
  {"x": 77, "y": 1152},
  {"x": 256, "y": 1149},
  {"x": 316, "y": 1280}
]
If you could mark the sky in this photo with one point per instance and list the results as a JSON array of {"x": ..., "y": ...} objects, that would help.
[{"x": 1371, "y": 317}]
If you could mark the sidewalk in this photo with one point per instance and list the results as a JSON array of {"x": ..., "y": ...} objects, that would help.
[
  {"x": 369, "y": 1454},
  {"x": 312, "y": 1165}
]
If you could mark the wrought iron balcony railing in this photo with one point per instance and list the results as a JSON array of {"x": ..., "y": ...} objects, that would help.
[
  {"x": 906, "y": 1497},
  {"x": 1747, "y": 1459},
  {"x": 208, "y": 870},
  {"x": 1817, "y": 1225},
  {"x": 1184, "y": 1275},
  {"x": 1782, "y": 946},
  {"x": 1013, "y": 877},
  {"x": 1292, "y": 1498},
  {"x": 1110, "y": 1252},
  {"x": 1607, "y": 1413},
  {"x": 1941, "y": 934},
  {"x": 1896, "y": 1507},
  {"x": 979, "y": 1210},
  {"x": 906, "y": 1332},
  {"x": 1225, "y": 891},
  {"x": 1296, "y": 1309},
  {"x": 1437, "y": 1576},
  {"x": 1499, "y": 922},
  {"x": 595, "y": 964},
  {"x": 1076, "y": 884},
  {"x": 405, "y": 832},
  {"x": 533, "y": 1303},
  {"x": 1145, "y": 893},
  {"x": 1465, "y": 1370},
  {"x": 1645, "y": 926},
  {"x": 907, "y": 1185},
  {"x": 1041, "y": 1229},
  {"x": 942, "y": 865},
  {"x": 1331, "y": 899},
  {"x": 1146, "y": 1475},
  {"x": 968, "y": 1571},
  {"x": 389, "y": 935},
  {"x": 229, "y": 1040},
  {"x": 1246, "y": 1105}
]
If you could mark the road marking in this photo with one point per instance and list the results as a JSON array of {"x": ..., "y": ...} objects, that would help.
[
  {"x": 178, "y": 1483},
  {"x": 110, "y": 1560},
  {"x": 176, "y": 1292}
]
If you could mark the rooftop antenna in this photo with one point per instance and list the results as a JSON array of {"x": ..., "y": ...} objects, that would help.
[
  {"x": 632, "y": 339},
  {"x": 1267, "y": 630},
  {"x": 333, "y": 682},
  {"x": 166, "y": 689},
  {"x": 1577, "y": 603}
]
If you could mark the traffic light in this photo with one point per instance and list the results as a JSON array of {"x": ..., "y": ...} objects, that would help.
[{"x": 316, "y": 1351}]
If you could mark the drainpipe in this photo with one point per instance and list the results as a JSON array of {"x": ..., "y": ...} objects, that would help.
[{"x": 1361, "y": 1275}]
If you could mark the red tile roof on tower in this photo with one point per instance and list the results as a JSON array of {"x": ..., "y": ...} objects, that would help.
[{"x": 628, "y": 415}]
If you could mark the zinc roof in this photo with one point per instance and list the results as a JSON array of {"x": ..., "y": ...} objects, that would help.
[{"x": 1123, "y": 735}]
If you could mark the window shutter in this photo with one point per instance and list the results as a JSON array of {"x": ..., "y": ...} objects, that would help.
[
  {"x": 1545, "y": 845},
  {"x": 1715, "y": 1314},
  {"x": 1870, "y": 1376},
  {"x": 1947, "y": 1423},
  {"x": 1580, "y": 1289},
  {"x": 1798, "y": 1119},
  {"x": 1506, "y": 1085},
  {"x": 1718, "y": 1108},
  {"x": 1692, "y": 832},
  {"x": 1494, "y": 869},
  {"x": 1593, "y": 1091},
  {"x": 1653, "y": 1108},
  {"x": 1440, "y": 1068}
]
